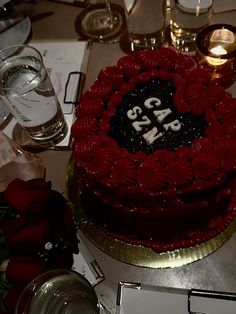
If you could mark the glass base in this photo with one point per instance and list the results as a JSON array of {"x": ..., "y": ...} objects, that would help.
[
  {"x": 94, "y": 23},
  {"x": 20, "y": 136}
]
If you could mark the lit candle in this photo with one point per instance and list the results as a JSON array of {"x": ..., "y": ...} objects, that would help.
[{"x": 216, "y": 48}]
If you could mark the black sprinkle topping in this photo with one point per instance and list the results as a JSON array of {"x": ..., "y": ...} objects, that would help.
[{"x": 122, "y": 130}]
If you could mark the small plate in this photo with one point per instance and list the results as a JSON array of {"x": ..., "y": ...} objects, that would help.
[
  {"x": 16, "y": 35},
  {"x": 137, "y": 298}
]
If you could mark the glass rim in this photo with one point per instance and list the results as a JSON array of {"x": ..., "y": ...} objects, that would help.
[
  {"x": 201, "y": 36},
  {"x": 46, "y": 275},
  {"x": 15, "y": 48}
]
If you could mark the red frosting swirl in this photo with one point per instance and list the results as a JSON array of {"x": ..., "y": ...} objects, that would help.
[
  {"x": 187, "y": 167},
  {"x": 84, "y": 148},
  {"x": 101, "y": 90},
  {"x": 152, "y": 176},
  {"x": 89, "y": 107},
  {"x": 129, "y": 66},
  {"x": 179, "y": 172},
  {"x": 101, "y": 163},
  {"x": 205, "y": 165},
  {"x": 84, "y": 127},
  {"x": 124, "y": 172},
  {"x": 112, "y": 75}
]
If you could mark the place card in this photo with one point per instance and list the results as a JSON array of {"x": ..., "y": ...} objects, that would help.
[
  {"x": 86, "y": 265},
  {"x": 136, "y": 298}
]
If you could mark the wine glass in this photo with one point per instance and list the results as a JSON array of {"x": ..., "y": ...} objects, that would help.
[{"x": 102, "y": 22}]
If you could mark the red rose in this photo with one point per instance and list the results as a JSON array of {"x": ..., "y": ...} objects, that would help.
[
  {"x": 11, "y": 298},
  {"x": 30, "y": 238},
  {"x": 23, "y": 269},
  {"x": 39, "y": 233},
  {"x": 23, "y": 194}
]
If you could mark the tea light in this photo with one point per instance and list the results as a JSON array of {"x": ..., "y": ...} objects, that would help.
[{"x": 216, "y": 48}]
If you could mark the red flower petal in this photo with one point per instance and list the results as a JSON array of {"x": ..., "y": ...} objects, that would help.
[
  {"x": 12, "y": 297},
  {"x": 30, "y": 238},
  {"x": 22, "y": 269},
  {"x": 20, "y": 194}
]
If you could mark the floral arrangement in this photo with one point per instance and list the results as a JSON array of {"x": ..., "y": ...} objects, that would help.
[{"x": 37, "y": 233}]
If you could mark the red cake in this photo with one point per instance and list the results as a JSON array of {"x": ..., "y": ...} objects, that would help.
[{"x": 154, "y": 144}]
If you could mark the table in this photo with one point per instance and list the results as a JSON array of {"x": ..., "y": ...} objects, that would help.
[{"x": 215, "y": 272}]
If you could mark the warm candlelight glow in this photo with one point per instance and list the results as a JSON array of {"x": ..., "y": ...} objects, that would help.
[
  {"x": 217, "y": 51},
  {"x": 216, "y": 47}
]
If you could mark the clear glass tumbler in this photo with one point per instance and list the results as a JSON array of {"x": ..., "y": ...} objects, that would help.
[
  {"x": 145, "y": 23},
  {"x": 187, "y": 18},
  {"x": 58, "y": 291},
  {"x": 27, "y": 91}
]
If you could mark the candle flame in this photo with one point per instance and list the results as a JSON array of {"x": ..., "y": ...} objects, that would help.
[{"x": 218, "y": 51}]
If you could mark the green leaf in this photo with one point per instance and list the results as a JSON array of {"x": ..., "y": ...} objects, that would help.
[{"x": 5, "y": 286}]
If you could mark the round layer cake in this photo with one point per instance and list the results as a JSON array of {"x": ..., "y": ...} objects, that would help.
[{"x": 154, "y": 144}]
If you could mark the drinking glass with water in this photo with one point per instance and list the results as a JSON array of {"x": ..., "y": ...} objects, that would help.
[
  {"x": 26, "y": 89},
  {"x": 187, "y": 18},
  {"x": 59, "y": 291}
]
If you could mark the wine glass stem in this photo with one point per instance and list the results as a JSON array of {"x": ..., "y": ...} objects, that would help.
[{"x": 109, "y": 14}]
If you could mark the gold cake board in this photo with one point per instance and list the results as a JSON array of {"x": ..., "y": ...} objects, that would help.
[{"x": 136, "y": 254}]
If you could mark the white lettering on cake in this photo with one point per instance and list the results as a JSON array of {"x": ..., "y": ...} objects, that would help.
[
  {"x": 152, "y": 135},
  {"x": 152, "y": 101},
  {"x": 174, "y": 126},
  {"x": 161, "y": 114},
  {"x": 133, "y": 113},
  {"x": 138, "y": 124}
]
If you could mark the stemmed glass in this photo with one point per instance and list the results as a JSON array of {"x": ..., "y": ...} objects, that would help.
[{"x": 102, "y": 22}]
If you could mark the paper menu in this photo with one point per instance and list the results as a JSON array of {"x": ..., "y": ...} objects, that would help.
[
  {"x": 61, "y": 59},
  {"x": 135, "y": 298}
]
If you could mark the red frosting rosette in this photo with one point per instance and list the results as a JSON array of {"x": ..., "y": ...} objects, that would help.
[
  {"x": 124, "y": 172},
  {"x": 89, "y": 107},
  {"x": 111, "y": 75},
  {"x": 129, "y": 67},
  {"x": 202, "y": 165},
  {"x": 179, "y": 172},
  {"x": 152, "y": 176},
  {"x": 84, "y": 127}
]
